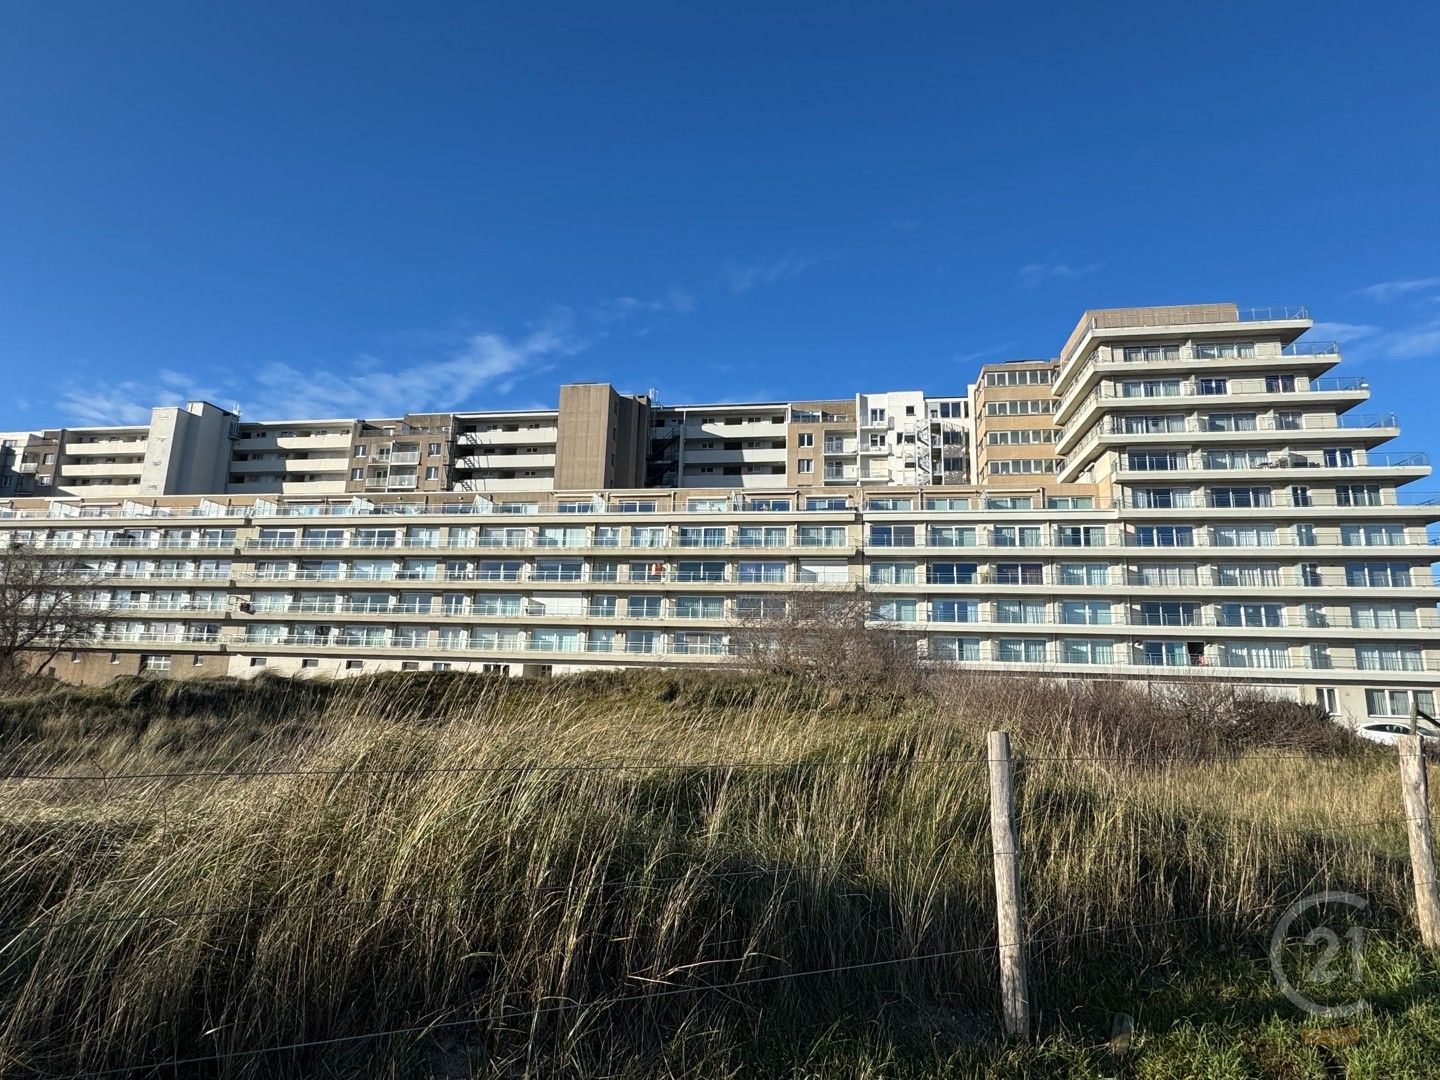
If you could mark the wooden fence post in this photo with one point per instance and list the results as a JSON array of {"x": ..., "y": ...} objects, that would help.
[
  {"x": 1010, "y": 916},
  {"x": 1415, "y": 786}
]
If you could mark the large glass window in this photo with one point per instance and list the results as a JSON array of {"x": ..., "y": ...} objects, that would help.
[
  {"x": 1089, "y": 612},
  {"x": 1020, "y": 650},
  {"x": 952, "y": 573},
  {"x": 1087, "y": 651},
  {"x": 954, "y": 611}
]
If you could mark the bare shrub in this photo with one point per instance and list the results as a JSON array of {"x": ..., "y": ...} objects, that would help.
[{"x": 41, "y": 613}]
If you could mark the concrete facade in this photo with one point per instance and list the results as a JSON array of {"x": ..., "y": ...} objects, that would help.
[{"x": 1214, "y": 506}]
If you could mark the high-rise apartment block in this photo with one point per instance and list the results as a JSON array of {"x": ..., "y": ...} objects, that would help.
[{"x": 1184, "y": 493}]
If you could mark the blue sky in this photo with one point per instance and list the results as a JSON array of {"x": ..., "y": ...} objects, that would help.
[{"x": 354, "y": 209}]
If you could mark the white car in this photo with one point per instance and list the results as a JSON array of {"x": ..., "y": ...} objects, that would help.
[{"x": 1388, "y": 734}]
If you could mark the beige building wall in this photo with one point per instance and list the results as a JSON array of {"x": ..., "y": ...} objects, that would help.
[
  {"x": 805, "y": 464},
  {"x": 602, "y": 438},
  {"x": 984, "y": 424}
]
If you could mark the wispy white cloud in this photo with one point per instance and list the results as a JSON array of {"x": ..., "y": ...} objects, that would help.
[
  {"x": 1385, "y": 291},
  {"x": 1343, "y": 332},
  {"x": 121, "y": 403},
  {"x": 981, "y": 354},
  {"x": 742, "y": 277},
  {"x": 483, "y": 361},
  {"x": 476, "y": 364},
  {"x": 675, "y": 302},
  {"x": 1036, "y": 273}
]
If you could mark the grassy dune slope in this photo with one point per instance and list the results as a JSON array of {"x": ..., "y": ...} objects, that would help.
[{"x": 600, "y": 862}]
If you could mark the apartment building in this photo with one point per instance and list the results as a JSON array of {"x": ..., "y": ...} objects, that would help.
[{"x": 1213, "y": 505}]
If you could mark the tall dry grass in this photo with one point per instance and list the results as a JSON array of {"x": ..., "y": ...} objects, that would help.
[{"x": 569, "y": 857}]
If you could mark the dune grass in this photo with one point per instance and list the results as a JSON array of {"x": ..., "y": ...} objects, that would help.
[{"x": 646, "y": 875}]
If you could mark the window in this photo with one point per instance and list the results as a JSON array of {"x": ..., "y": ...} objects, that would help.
[
  {"x": 309, "y": 662},
  {"x": 1150, "y": 388},
  {"x": 1020, "y": 650},
  {"x": 701, "y": 537},
  {"x": 698, "y": 607},
  {"x": 1070, "y": 502},
  {"x": 1389, "y": 658},
  {"x": 947, "y": 504},
  {"x": 1357, "y": 495},
  {"x": 1164, "y": 536},
  {"x": 1279, "y": 384},
  {"x": 1018, "y": 536},
  {"x": 769, "y": 505},
  {"x": 1020, "y": 377},
  {"x": 1022, "y": 466},
  {"x": 1036, "y": 407},
  {"x": 1168, "y": 613},
  {"x": 1161, "y": 498},
  {"x": 257, "y": 661},
  {"x": 440, "y": 665},
  {"x": 1383, "y": 617},
  {"x": 1234, "y": 614},
  {"x": 1152, "y": 352},
  {"x": 890, "y": 573},
  {"x": 643, "y": 607},
  {"x": 1230, "y": 422},
  {"x": 434, "y": 448},
  {"x": 1255, "y": 654},
  {"x": 765, "y": 535},
  {"x": 760, "y": 607},
  {"x": 1084, "y": 574},
  {"x": 1377, "y": 574},
  {"x": 354, "y": 665},
  {"x": 1020, "y": 611},
  {"x": 1019, "y": 573},
  {"x": 1087, "y": 651},
  {"x": 1372, "y": 535},
  {"x": 432, "y": 472},
  {"x": 1327, "y": 698},
  {"x": 1224, "y": 350},
  {"x": 1212, "y": 386},
  {"x": 1086, "y": 612},
  {"x": 409, "y": 665},
  {"x": 953, "y": 536},
  {"x": 822, "y": 535},
  {"x": 362, "y": 451},
  {"x": 761, "y": 572},
  {"x": 1157, "y": 460},
  {"x": 954, "y": 611},
  {"x": 890, "y": 504},
  {"x": 357, "y": 474},
  {"x": 1244, "y": 536},
  {"x": 895, "y": 610},
  {"x": 892, "y": 536},
  {"x": 952, "y": 573},
  {"x": 1239, "y": 496},
  {"x": 837, "y": 503},
  {"x": 805, "y": 465},
  {"x": 1021, "y": 437},
  {"x": 154, "y": 662},
  {"x": 1398, "y": 702},
  {"x": 955, "y": 648},
  {"x": 1080, "y": 535}
]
